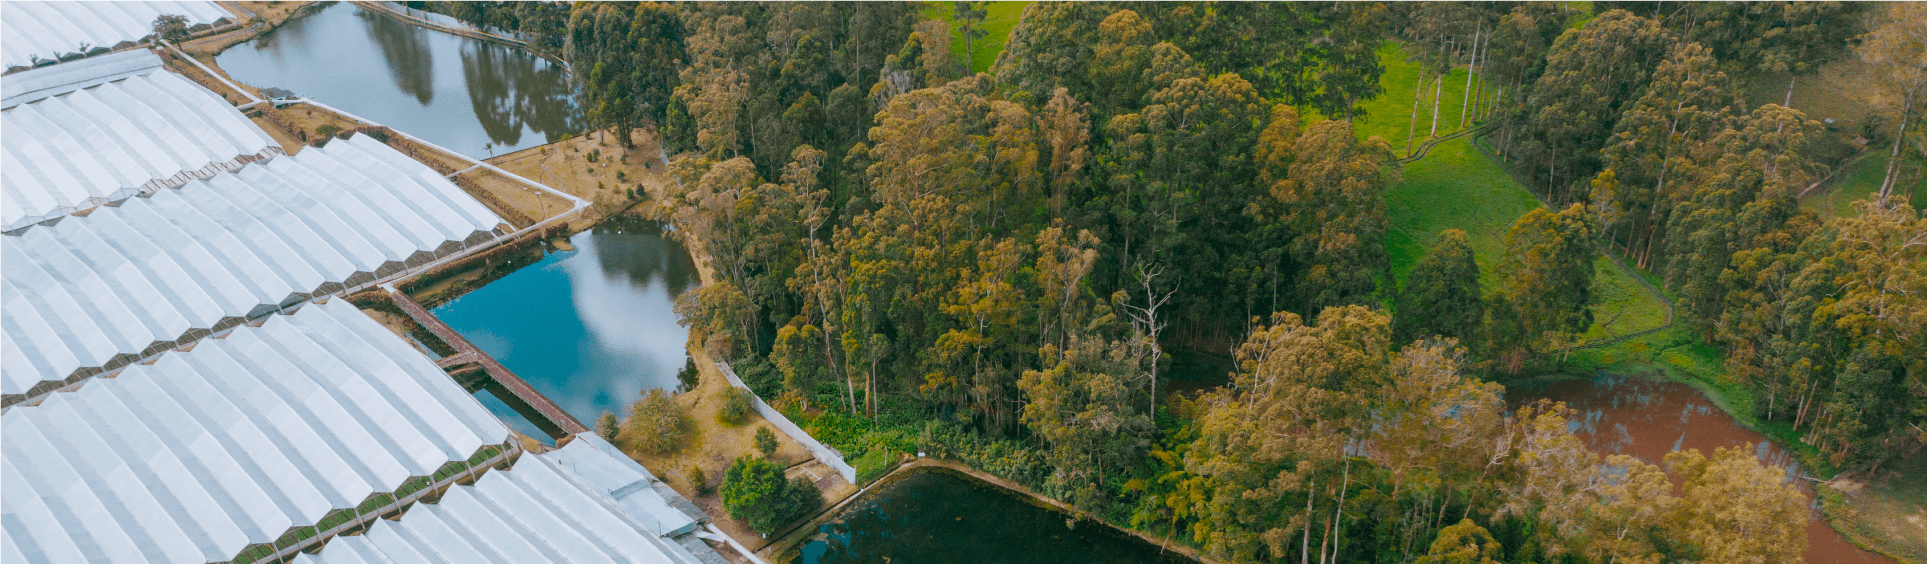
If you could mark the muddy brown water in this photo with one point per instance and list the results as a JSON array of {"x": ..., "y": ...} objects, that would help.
[{"x": 1648, "y": 418}]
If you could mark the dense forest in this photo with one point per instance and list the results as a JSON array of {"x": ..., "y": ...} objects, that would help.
[{"x": 1007, "y": 267}]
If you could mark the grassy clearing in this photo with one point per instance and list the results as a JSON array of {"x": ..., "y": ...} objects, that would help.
[
  {"x": 1390, "y": 114},
  {"x": 1857, "y": 180},
  {"x": 999, "y": 18},
  {"x": 1458, "y": 187}
]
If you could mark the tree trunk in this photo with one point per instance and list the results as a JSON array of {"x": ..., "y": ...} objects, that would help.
[
  {"x": 1438, "y": 91},
  {"x": 1893, "y": 159},
  {"x": 1789, "y": 91},
  {"x": 1339, "y": 516},
  {"x": 1465, "y": 100},
  {"x": 1478, "y": 92},
  {"x": 1417, "y": 93}
]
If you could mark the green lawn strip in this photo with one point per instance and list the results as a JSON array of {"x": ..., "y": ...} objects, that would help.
[{"x": 999, "y": 19}]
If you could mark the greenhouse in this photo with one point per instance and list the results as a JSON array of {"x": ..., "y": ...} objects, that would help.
[
  {"x": 542, "y": 511},
  {"x": 129, "y": 281},
  {"x": 37, "y": 32},
  {"x": 93, "y": 146},
  {"x": 203, "y": 453},
  {"x": 28, "y": 86}
]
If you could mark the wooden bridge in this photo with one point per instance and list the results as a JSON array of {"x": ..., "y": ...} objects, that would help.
[{"x": 476, "y": 369}]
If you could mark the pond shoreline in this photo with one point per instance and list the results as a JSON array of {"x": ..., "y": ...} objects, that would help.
[
  {"x": 792, "y": 540},
  {"x": 788, "y": 546}
]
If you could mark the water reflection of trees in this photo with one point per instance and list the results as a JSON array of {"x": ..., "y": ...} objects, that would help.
[
  {"x": 511, "y": 89},
  {"x": 642, "y": 254},
  {"x": 411, "y": 64},
  {"x": 934, "y": 516}
]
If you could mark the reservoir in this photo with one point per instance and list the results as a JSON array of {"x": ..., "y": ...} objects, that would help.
[
  {"x": 1648, "y": 418},
  {"x": 467, "y": 95},
  {"x": 937, "y": 515},
  {"x": 590, "y": 328}
]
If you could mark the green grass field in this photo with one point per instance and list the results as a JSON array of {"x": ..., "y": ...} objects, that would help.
[
  {"x": 999, "y": 18},
  {"x": 1857, "y": 180},
  {"x": 1458, "y": 187},
  {"x": 1390, "y": 114}
]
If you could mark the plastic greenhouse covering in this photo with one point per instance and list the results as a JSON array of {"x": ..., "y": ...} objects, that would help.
[
  {"x": 124, "y": 278},
  {"x": 37, "y": 84},
  {"x": 50, "y": 30},
  {"x": 538, "y": 512},
  {"x": 196, "y": 456},
  {"x": 100, "y": 145}
]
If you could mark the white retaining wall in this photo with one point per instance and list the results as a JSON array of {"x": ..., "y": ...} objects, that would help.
[{"x": 829, "y": 456}]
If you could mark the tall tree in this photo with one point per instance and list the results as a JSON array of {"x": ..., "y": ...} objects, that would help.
[
  {"x": 1662, "y": 138},
  {"x": 1441, "y": 296},
  {"x": 1898, "y": 50},
  {"x": 1591, "y": 75},
  {"x": 1549, "y": 288},
  {"x": 970, "y": 20}
]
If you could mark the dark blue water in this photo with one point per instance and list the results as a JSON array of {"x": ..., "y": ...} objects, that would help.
[
  {"x": 936, "y": 516},
  {"x": 589, "y": 328},
  {"x": 469, "y": 96}
]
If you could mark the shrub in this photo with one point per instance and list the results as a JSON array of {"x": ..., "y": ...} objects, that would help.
[
  {"x": 755, "y": 491},
  {"x": 735, "y": 408},
  {"x": 688, "y": 375},
  {"x": 595, "y": 154},
  {"x": 698, "y": 480},
  {"x": 620, "y": 175},
  {"x": 607, "y": 427},
  {"x": 657, "y": 423},
  {"x": 327, "y": 130},
  {"x": 872, "y": 465},
  {"x": 765, "y": 441}
]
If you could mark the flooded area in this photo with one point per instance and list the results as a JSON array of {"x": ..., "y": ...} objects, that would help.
[
  {"x": 470, "y": 96},
  {"x": 935, "y": 515},
  {"x": 590, "y": 328},
  {"x": 1649, "y": 418}
]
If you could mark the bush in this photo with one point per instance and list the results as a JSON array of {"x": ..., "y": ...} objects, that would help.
[
  {"x": 698, "y": 480},
  {"x": 872, "y": 465},
  {"x": 736, "y": 406},
  {"x": 755, "y": 491},
  {"x": 607, "y": 427},
  {"x": 765, "y": 441},
  {"x": 620, "y": 175},
  {"x": 689, "y": 376},
  {"x": 327, "y": 130},
  {"x": 657, "y": 423},
  {"x": 595, "y": 154}
]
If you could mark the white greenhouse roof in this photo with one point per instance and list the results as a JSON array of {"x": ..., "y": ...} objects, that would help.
[
  {"x": 79, "y": 293},
  {"x": 50, "y": 30},
  {"x": 202, "y": 453},
  {"x": 94, "y": 146},
  {"x": 28, "y": 86},
  {"x": 538, "y": 512},
  {"x": 606, "y": 469}
]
